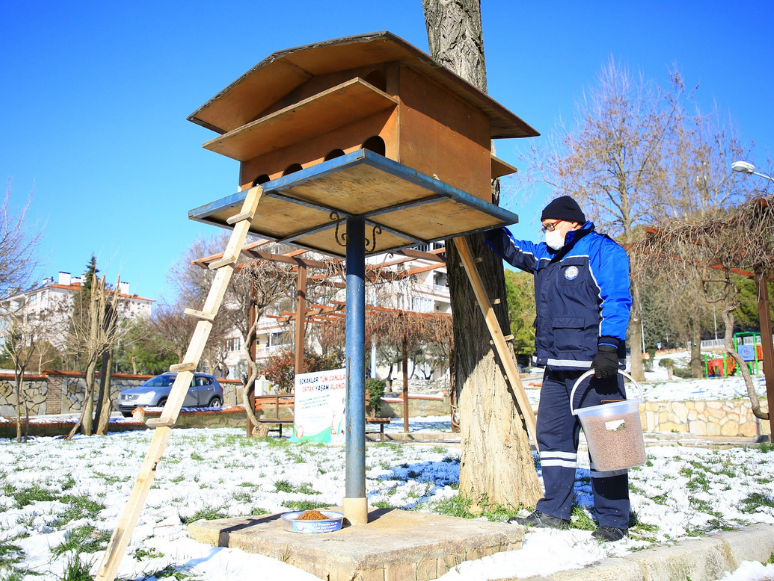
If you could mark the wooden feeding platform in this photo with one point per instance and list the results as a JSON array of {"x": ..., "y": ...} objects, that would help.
[{"x": 309, "y": 208}]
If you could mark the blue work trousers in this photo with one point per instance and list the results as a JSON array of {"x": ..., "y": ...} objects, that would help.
[{"x": 557, "y": 433}]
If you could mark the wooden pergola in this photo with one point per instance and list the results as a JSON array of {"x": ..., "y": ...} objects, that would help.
[{"x": 301, "y": 265}]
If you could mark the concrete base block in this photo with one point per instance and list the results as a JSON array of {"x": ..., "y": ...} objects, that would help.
[
  {"x": 755, "y": 543},
  {"x": 394, "y": 545}
]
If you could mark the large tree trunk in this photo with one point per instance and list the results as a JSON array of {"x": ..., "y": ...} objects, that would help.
[
  {"x": 19, "y": 391},
  {"x": 104, "y": 405},
  {"x": 635, "y": 335},
  {"x": 696, "y": 366},
  {"x": 496, "y": 456}
]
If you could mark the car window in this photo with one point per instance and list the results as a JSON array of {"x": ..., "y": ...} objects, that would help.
[{"x": 160, "y": 381}]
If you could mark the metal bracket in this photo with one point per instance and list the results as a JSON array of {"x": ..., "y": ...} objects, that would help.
[
  {"x": 344, "y": 236},
  {"x": 371, "y": 244}
]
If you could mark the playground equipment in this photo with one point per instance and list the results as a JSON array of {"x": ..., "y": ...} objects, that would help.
[
  {"x": 354, "y": 146},
  {"x": 751, "y": 352}
]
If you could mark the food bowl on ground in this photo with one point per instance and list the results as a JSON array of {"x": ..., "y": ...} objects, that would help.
[{"x": 294, "y": 522}]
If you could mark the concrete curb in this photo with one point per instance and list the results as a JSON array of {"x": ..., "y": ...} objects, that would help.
[{"x": 703, "y": 559}]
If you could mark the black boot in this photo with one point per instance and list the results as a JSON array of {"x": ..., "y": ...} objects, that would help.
[
  {"x": 540, "y": 520},
  {"x": 609, "y": 534}
]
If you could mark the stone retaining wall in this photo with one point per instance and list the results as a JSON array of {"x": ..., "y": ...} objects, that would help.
[
  {"x": 704, "y": 418},
  {"x": 61, "y": 392}
]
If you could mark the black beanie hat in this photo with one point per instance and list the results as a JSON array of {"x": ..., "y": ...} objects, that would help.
[{"x": 563, "y": 208}]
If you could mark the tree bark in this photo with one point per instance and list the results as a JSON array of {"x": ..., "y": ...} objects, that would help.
[
  {"x": 496, "y": 461},
  {"x": 405, "y": 386},
  {"x": 696, "y": 366},
  {"x": 104, "y": 405},
  {"x": 728, "y": 343},
  {"x": 635, "y": 334},
  {"x": 19, "y": 391}
]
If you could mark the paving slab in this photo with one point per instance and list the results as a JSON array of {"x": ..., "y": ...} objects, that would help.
[
  {"x": 394, "y": 545},
  {"x": 702, "y": 559}
]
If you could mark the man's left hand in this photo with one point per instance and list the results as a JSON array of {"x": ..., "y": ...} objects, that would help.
[{"x": 605, "y": 364}]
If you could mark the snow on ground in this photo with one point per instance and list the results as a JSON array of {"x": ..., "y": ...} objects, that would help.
[{"x": 59, "y": 499}]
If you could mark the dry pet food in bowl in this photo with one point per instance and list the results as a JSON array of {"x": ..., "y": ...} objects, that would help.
[{"x": 312, "y": 521}]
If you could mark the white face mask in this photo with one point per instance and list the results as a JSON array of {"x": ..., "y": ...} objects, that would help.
[{"x": 555, "y": 239}]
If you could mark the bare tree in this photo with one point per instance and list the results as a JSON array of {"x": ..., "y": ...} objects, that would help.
[
  {"x": 92, "y": 333},
  {"x": 22, "y": 335},
  {"x": 496, "y": 456},
  {"x": 18, "y": 247},
  {"x": 611, "y": 161},
  {"x": 714, "y": 244}
]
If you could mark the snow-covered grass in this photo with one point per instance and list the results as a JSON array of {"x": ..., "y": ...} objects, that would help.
[{"x": 61, "y": 499}]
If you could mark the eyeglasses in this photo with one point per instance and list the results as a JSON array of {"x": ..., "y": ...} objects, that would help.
[{"x": 551, "y": 227}]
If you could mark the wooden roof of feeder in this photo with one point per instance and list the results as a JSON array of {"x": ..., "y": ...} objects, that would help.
[
  {"x": 278, "y": 74},
  {"x": 402, "y": 205}
]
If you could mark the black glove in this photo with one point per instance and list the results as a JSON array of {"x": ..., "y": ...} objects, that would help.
[{"x": 605, "y": 364}]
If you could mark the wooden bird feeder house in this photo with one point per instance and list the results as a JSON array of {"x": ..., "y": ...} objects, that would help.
[{"x": 365, "y": 125}]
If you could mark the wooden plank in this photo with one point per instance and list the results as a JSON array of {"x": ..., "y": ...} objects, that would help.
[
  {"x": 178, "y": 367},
  {"x": 504, "y": 353},
  {"x": 282, "y": 72},
  {"x": 123, "y": 531},
  {"x": 238, "y": 218},
  {"x": 328, "y": 110},
  {"x": 158, "y": 423},
  {"x": 501, "y": 168},
  {"x": 444, "y": 136},
  {"x": 199, "y": 314},
  {"x": 313, "y": 151}
]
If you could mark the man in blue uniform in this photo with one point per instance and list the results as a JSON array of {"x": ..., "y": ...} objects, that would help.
[{"x": 583, "y": 301}]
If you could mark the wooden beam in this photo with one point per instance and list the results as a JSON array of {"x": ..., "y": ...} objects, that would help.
[
  {"x": 505, "y": 354},
  {"x": 300, "y": 319}
]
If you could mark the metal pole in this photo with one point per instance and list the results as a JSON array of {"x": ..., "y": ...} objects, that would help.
[
  {"x": 767, "y": 346},
  {"x": 355, "y": 504}
]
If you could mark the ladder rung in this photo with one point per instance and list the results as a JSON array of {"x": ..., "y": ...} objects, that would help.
[
  {"x": 495, "y": 301},
  {"x": 200, "y": 314},
  {"x": 182, "y": 367},
  {"x": 159, "y": 423},
  {"x": 239, "y": 217},
  {"x": 225, "y": 261},
  {"x": 508, "y": 337},
  {"x": 477, "y": 260}
]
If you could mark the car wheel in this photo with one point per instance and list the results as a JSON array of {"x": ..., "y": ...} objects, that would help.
[
  {"x": 162, "y": 402},
  {"x": 215, "y": 402}
]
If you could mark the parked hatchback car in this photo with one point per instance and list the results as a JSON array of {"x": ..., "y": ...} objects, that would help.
[{"x": 205, "y": 391}]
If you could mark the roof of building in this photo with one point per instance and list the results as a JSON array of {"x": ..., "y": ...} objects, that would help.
[{"x": 73, "y": 287}]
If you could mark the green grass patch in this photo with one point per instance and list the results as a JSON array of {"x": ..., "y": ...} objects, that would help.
[
  {"x": 76, "y": 570},
  {"x": 258, "y": 511},
  {"x": 10, "y": 554},
  {"x": 204, "y": 514},
  {"x": 168, "y": 572},
  {"x": 79, "y": 507},
  {"x": 755, "y": 500},
  {"x": 83, "y": 540},
  {"x": 581, "y": 519},
  {"x": 305, "y": 505},
  {"x": 197, "y": 457},
  {"x": 454, "y": 506},
  {"x": 382, "y": 504},
  {"x": 243, "y": 497},
  {"x": 283, "y": 486},
  {"x": 145, "y": 554},
  {"x": 306, "y": 488},
  {"x": 27, "y": 496}
]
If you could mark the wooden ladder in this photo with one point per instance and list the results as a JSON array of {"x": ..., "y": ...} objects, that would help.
[{"x": 185, "y": 372}]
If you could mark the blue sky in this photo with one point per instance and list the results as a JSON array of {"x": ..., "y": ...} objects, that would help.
[{"x": 94, "y": 97}]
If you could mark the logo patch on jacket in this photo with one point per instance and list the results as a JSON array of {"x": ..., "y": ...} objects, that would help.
[{"x": 571, "y": 272}]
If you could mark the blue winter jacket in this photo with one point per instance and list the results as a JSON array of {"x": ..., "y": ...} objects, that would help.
[{"x": 581, "y": 293}]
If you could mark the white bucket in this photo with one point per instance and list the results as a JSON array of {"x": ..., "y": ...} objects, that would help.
[{"x": 613, "y": 430}]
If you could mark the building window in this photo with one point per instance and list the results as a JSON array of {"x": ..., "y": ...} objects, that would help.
[{"x": 234, "y": 344}]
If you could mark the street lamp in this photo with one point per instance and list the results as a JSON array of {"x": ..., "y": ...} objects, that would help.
[{"x": 748, "y": 168}]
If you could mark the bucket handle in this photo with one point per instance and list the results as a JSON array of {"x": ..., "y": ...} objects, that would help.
[{"x": 591, "y": 372}]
